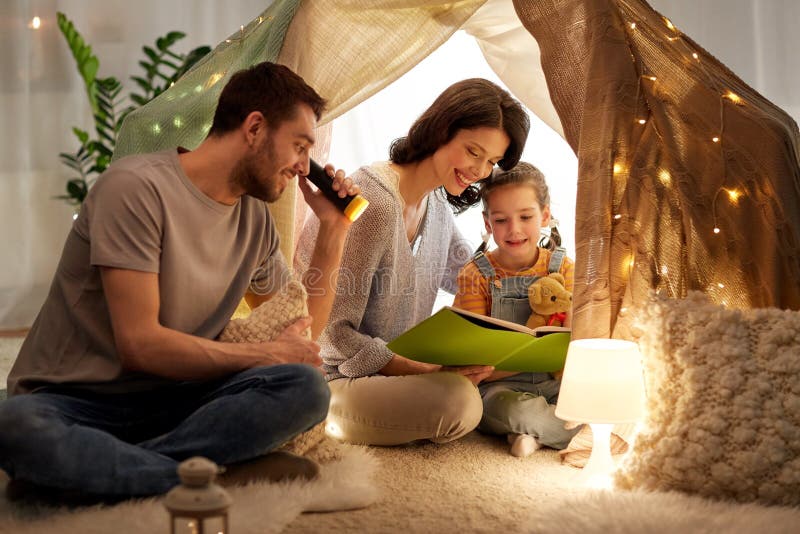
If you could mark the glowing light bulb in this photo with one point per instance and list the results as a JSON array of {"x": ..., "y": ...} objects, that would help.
[
  {"x": 721, "y": 286},
  {"x": 733, "y": 97},
  {"x": 214, "y": 78},
  {"x": 665, "y": 177},
  {"x": 715, "y": 139},
  {"x": 617, "y": 216},
  {"x": 664, "y": 270},
  {"x": 633, "y": 25},
  {"x": 618, "y": 169},
  {"x": 716, "y": 230},
  {"x": 653, "y": 78},
  {"x": 642, "y": 121},
  {"x": 156, "y": 128},
  {"x": 734, "y": 195},
  {"x": 694, "y": 55},
  {"x": 35, "y": 23}
]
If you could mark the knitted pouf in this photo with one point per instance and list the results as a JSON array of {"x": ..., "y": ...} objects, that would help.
[{"x": 723, "y": 402}]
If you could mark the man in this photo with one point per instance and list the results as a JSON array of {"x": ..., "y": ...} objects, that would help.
[{"x": 120, "y": 377}]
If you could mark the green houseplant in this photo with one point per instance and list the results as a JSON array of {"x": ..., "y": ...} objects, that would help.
[{"x": 161, "y": 67}]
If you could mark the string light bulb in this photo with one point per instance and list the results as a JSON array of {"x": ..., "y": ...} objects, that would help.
[
  {"x": 733, "y": 195},
  {"x": 35, "y": 23},
  {"x": 716, "y": 230},
  {"x": 733, "y": 97},
  {"x": 214, "y": 78},
  {"x": 617, "y": 217},
  {"x": 715, "y": 139},
  {"x": 633, "y": 25},
  {"x": 642, "y": 121}
]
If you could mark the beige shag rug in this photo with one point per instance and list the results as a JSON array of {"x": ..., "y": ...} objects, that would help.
[
  {"x": 345, "y": 483},
  {"x": 472, "y": 485}
]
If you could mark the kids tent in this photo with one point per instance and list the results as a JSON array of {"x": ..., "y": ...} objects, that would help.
[{"x": 688, "y": 178}]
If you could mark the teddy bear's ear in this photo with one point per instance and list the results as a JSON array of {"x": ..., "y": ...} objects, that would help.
[
  {"x": 535, "y": 293},
  {"x": 558, "y": 277}
]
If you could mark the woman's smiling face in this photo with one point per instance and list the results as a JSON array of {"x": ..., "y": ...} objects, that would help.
[{"x": 468, "y": 157}]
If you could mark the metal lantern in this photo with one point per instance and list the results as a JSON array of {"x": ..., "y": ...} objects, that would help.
[{"x": 198, "y": 505}]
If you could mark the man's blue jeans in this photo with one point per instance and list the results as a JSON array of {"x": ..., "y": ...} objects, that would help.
[{"x": 130, "y": 444}]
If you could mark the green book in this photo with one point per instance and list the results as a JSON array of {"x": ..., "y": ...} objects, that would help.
[{"x": 458, "y": 337}]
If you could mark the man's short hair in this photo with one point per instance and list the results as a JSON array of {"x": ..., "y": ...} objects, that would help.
[{"x": 272, "y": 89}]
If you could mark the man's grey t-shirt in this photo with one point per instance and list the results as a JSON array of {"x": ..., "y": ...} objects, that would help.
[{"x": 144, "y": 214}]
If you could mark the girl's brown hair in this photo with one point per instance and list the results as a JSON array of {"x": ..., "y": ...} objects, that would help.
[{"x": 523, "y": 174}]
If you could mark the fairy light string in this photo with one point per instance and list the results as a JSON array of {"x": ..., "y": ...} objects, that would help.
[{"x": 726, "y": 192}]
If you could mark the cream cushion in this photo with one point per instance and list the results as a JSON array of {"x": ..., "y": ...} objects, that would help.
[{"x": 723, "y": 406}]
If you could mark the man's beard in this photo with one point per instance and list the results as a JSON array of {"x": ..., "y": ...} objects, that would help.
[{"x": 257, "y": 174}]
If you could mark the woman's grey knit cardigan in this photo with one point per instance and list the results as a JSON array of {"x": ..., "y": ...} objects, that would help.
[{"x": 386, "y": 285}]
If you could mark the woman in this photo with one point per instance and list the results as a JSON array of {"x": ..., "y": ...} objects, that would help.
[{"x": 398, "y": 254}]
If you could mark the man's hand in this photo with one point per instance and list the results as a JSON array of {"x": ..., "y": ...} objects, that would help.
[
  {"x": 474, "y": 373},
  {"x": 322, "y": 273},
  {"x": 291, "y": 346},
  {"x": 325, "y": 211}
]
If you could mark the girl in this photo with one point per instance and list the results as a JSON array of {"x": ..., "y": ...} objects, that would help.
[
  {"x": 398, "y": 254},
  {"x": 516, "y": 206}
]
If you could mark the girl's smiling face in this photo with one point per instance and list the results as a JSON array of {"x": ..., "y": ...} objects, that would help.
[
  {"x": 514, "y": 218},
  {"x": 468, "y": 157}
]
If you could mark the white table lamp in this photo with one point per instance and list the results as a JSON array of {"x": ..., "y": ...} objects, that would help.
[{"x": 602, "y": 385}]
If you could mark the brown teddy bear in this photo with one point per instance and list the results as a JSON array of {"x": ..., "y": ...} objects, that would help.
[{"x": 548, "y": 297}]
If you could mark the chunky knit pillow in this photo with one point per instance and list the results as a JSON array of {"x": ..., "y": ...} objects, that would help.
[
  {"x": 270, "y": 319},
  {"x": 723, "y": 402},
  {"x": 264, "y": 324}
]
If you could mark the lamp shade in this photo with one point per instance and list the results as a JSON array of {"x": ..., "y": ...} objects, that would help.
[{"x": 602, "y": 382}]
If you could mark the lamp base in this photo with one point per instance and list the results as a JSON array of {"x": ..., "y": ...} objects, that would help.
[{"x": 599, "y": 469}]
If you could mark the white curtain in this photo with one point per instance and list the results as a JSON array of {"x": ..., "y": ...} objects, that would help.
[{"x": 42, "y": 97}]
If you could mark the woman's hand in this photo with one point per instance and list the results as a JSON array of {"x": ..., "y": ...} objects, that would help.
[
  {"x": 400, "y": 365},
  {"x": 474, "y": 373}
]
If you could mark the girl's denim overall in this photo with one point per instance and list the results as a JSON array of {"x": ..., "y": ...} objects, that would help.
[{"x": 525, "y": 402}]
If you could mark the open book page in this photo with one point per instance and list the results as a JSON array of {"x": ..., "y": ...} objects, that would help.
[
  {"x": 455, "y": 337},
  {"x": 491, "y": 322}
]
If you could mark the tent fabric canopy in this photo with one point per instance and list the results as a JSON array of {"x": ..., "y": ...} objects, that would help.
[
  {"x": 688, "y": 178},
  {"x": 649, "y": 195}
]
